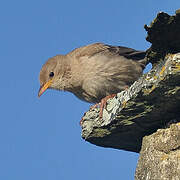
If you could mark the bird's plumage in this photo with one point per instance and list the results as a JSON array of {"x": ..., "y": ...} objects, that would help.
[
  {"x": 108, "y": 50},
  {"x": 94, "y": 71}
]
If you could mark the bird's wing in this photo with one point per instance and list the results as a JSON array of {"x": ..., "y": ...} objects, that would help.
[{"x": 107, "y": 50}]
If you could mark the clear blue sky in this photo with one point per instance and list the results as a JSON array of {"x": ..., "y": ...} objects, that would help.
[{"x": 40, "y": 139}]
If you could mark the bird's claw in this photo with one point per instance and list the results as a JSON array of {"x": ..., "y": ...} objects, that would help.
[{"x": 102, "y": 104}]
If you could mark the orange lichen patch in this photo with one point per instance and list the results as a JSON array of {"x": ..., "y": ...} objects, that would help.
[
  {"x": 176, "y": 67},
  {"x": 124, "y": 104},
  {"x": 153, "y": 87},
  {"x": 162, "y": 70},
  {"x": 164, "y": 157},
  {"x": 155, "y": 77},
  {"x": 178, "y": 156}
]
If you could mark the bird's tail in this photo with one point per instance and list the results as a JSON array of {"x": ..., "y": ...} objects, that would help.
[{"x": 140, "y": 56}]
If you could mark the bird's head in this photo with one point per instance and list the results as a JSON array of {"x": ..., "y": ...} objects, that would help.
[{"x": 53, "y": 74}]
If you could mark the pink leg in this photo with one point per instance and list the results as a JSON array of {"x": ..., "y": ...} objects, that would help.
[
  {"x": 103, "y": 103},
  {"x": 95, "y": 105},
  {"x": 81, "y": 121}
]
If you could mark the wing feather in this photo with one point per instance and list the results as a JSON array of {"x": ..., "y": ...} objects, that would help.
[{"x": 107, "y": 50}]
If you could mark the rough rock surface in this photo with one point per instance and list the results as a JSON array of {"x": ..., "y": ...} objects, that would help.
[
  {"x": 164, "y": 35},
  {"x": 146, "y": 106},
  {"x": 151, "y": 102},
  {"x": 160, "y": 155}
]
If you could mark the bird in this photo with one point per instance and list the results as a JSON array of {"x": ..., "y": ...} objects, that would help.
[{"x": 94, "y": 73}]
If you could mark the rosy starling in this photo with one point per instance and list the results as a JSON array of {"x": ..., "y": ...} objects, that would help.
[{"x": 94, "y": 72}]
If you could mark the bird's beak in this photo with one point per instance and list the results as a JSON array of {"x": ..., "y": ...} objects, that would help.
[{"x": 43, "y": 88}]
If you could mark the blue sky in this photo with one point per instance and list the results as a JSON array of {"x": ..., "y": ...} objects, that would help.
[{"x": 41, "y": 138}]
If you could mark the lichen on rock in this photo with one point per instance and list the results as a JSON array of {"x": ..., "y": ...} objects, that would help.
[
  {"x": 160, "y": 155},
  {"x": 151, "y": 102}
]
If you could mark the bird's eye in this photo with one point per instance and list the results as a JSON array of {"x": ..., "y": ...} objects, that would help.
[{"x": 51, "y": 74}]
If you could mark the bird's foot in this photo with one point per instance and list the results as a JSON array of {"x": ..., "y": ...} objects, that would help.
[
  {"x": 95, "y": 105},
  {"x": 102, "y": 104},
  {"x": 81, "y": 121}
]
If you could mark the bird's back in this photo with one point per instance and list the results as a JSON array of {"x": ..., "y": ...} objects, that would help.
[
  {"x": 96, "y": 48},
  {"x": 105, "y": 70}
]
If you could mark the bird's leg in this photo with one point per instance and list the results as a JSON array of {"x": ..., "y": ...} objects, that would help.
[
  {"x": 103, "y": 103},
  {"x": 95, "y": 105},
  {"x": 81, "y": 121}
]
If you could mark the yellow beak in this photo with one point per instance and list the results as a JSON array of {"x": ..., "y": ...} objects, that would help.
[{"x": 43, "y": 88}]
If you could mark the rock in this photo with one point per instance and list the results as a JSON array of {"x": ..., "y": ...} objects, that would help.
[
  {"x": 151, "y": 102},
  {"x": 164, "y": 35},
  {"x": 160, "y": 155}
]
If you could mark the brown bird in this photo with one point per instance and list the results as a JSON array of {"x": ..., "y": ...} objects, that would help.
[{"x": 94, "y": 72}]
